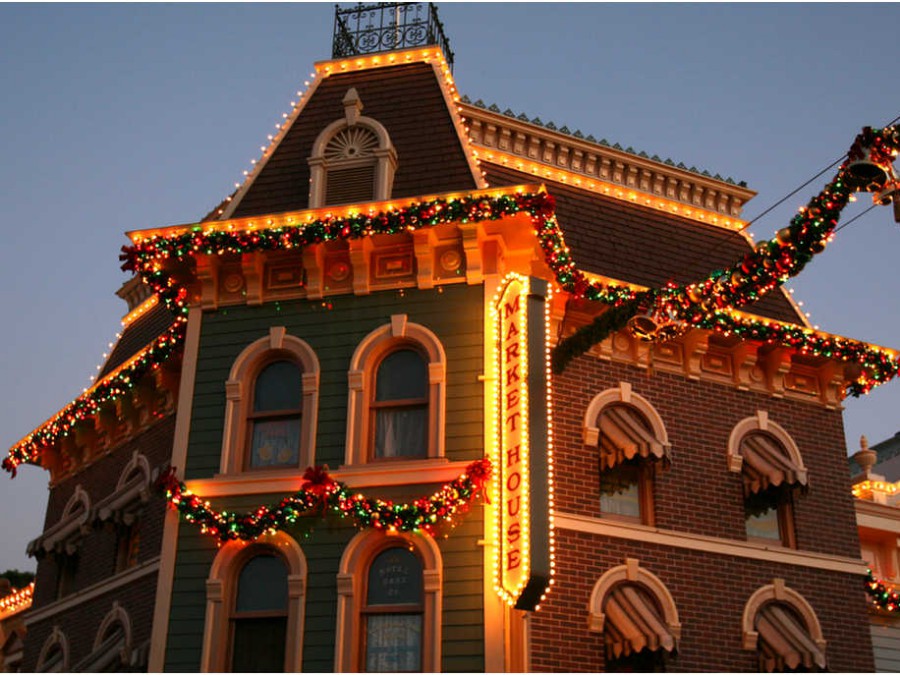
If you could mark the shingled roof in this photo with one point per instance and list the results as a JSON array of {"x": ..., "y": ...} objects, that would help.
[
  {"x": 137, "y": 335},
  {"x": 407, "y": 100},
  {"x": 630, "y": 242}
]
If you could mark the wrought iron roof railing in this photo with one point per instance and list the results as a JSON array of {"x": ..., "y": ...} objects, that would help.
[{"x": 384, "y": 26}]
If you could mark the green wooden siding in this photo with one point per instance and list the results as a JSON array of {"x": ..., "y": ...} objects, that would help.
[{"x": 455, "y": 316}]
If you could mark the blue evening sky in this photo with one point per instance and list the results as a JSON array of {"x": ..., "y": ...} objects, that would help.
[{"x": 119, "y": 117}]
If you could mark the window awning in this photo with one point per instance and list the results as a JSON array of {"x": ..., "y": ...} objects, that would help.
[
  {"x": 633, "y": 623},
  {"x": 64, "y": 536},
  {"x": 624, "y": 435},
  {"x": 109, "y": 656},
  {"x": 120, "y": 506},
  {"x": 766, "y": 464},
  {"x": 784, "y": 643}
]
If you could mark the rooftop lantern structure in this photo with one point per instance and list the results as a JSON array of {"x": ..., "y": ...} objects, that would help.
[{"x": 386, "y": 26}]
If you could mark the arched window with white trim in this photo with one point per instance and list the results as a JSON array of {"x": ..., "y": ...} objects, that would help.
[
  {"x": 772, "y": 475},
  {"x": 255, "y": 607},
  {"x": 353, "y": 159},
  {"x": 54, "y": 656},
  {"x": 782, "y": 627},
  {"x": 633, "y": 446},
  {"x": 637, "y": 615},
  {"x": 389, "y": 604},
  {"x": 271, "y": 406},
  {"x": 396, "y": 395}
]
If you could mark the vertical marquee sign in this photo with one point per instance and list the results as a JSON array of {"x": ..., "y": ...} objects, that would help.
[{"x": 523, "y": 448}]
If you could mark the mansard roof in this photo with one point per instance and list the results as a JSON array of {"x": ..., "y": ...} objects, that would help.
[
  {"x": 409, "y": 100},
  {"x": 138, "y": 333}
]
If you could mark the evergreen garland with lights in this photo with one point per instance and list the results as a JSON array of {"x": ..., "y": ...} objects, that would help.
[
  {"x": 321, "y": 494},
  {"x": 708, "y": 304},
  {"x": 882, "y": 596}
]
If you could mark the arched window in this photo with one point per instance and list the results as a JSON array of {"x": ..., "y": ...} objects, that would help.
[
  {"x": 352, "y": 160},
  {"x": 396, "y": 395},
  {"x": 271, "y": 406},
  {"x": 637, "y": 616},
  {"x": 112, "y": 650},
  {"x": 782, "y": 627},
  {"x": 633, "y": 446},
  {"x": 259, "y": 617},
  {"x": 392, "y": 613},
  {"x": 255, "y": 599},
  {"x": 389, "y": 605},
  {"x": 772, "y": 474},
  {"x": 54, "y": 656},
  {"x": 399, "y": 405},
  {"x": 275, "y": 415}
]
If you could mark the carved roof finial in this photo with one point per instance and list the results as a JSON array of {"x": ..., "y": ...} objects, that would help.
[
  {"x": 865, "y": 457},
  {"x": 352, "y": 106}
]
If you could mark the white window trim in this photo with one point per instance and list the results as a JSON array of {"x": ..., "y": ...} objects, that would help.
[
  {"x": 66, "y": 534},
  {"x": 385, "y": 154},
  {"x": 777, "y": 591},
  {"x": 361, "y": 376},
  {"x": 116, "y": 614},
  {"x": 761, "y": 422},
  {"x": 55, "y": 637},
  {"x": 622, "y": 394},
  {"x": 129, "y": 491},
  {"x": 351, "y": 583},
  {"x": 220, "y": 591},
  {"x": 238, "y": 390},
  {"x": 632, "y": 571}
]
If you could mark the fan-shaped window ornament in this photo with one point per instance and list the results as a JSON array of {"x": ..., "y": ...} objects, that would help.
[
  {"x": 351, "y": 143},
  {"x": 352, "y": 160}
]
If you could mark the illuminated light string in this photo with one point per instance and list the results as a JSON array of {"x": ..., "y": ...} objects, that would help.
[
  {"x": 881, "y": 594},
  {"x": 320, "y": 494},
  {"x": 696, "y": 305},
  {"x": 17, "y": 600}
]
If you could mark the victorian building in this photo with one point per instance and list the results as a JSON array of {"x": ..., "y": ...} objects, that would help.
[{"x": 411, "y": 430}]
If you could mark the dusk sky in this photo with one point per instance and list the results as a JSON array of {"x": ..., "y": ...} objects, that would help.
[{"x": 122, "y": 117}]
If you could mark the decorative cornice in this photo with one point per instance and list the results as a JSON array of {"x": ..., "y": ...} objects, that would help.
[{"x": 552, "y": 155}]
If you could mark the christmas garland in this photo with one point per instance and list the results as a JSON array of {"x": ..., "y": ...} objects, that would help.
[
  {"x": 321, "y": 494},
  {"x": 882, "y": 597},
  {"x": 700, "y": 305}
]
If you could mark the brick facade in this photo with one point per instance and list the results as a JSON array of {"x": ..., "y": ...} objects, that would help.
[
  {"x": 96, "y": 556},
  {"x": 697, "y": 494}
]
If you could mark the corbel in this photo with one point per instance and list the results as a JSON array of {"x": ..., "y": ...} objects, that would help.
[
  {"x": 775, "y": 363},
  {"x": 605, "y": 168},
  {"x": 831, "y": 384},
  {"x": 360, "y": 256},
  {"x": 696, "y": 344},
  {"x": 533, "y": 147},
  {"x": 505, "y": 138},
  {"x": 549, "y": 147},
  {"x": 423, "y": 246},
  {"x": 490, "y": 135},
  {"x": 252, "y": 268},
  {"x": 472, "y": 236},
  {"x": 562, "y": 156},
  {"x": 631, "y": 175},
  {"x": 314, "y": 267},
  {"x": 744, "y": 360},
  {"x": 208, "y": 276}
]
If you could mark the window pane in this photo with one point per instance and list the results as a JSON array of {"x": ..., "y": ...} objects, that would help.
[
  {"x": 402, "y": 375},
  {"x": 262, "y": 585},
  {"x": 394, "y": 643},
  {"x": 401, "y": 432},
  {"x": 763, "y": 524},
  {"x": 278, "y": 387},
  {"x": 258, "y": 645},
  {"x": 620, "y": 493},
  {"x": 275, "y": 442},
  {"x": 395, "y": 578}
]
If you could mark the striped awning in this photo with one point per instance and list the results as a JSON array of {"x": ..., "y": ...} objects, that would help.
[
  {"x": 625, "y": 435},
  {"x": 633, "y": 623},
  {"x": 766, "y": 464},
  {"x": 784, "y": 643}
]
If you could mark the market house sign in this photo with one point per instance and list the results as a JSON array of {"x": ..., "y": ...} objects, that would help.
[{"x": 523, "y": 452}]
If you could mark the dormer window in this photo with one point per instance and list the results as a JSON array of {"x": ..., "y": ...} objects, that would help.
[{"x": 353, "y": 159}]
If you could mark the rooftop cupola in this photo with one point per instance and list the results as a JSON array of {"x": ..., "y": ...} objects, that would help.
[{"x": 386, "y": 26}]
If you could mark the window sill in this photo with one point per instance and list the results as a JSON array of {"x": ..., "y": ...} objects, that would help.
[{"x": 288, "y": 481}]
